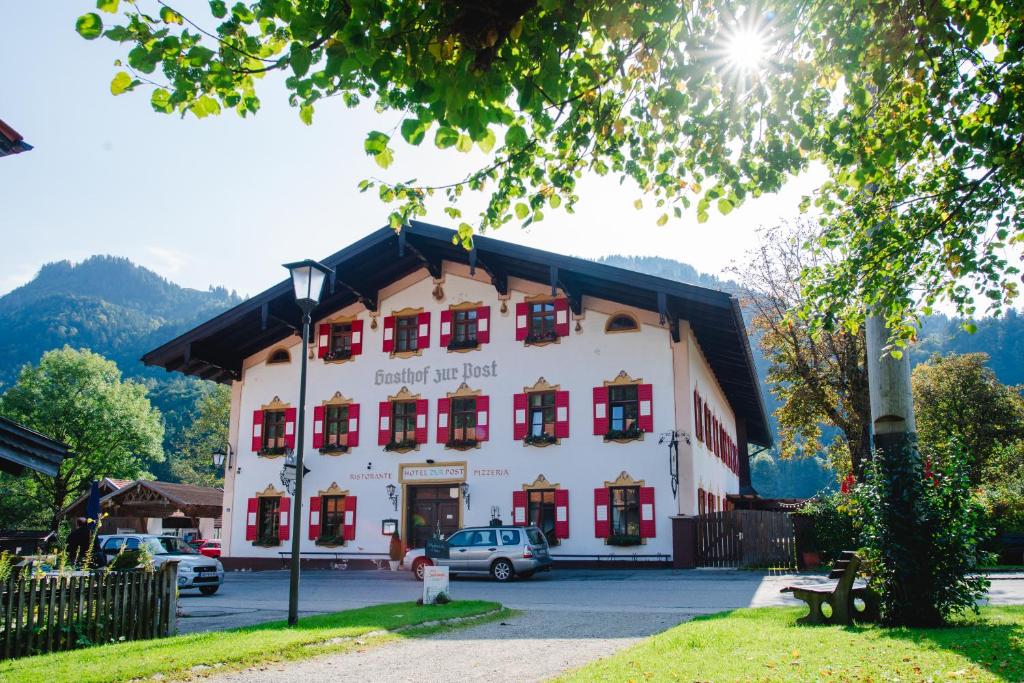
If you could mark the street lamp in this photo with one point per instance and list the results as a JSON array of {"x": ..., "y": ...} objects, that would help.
[
  {"x": 308, "y": 281},
  {"x": 218, "y": 458}
]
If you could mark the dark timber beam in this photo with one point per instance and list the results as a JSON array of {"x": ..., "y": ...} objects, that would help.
[
  {"x": 499, "y": 278},
  {"x": 368, "y": 300},
  {"x": 431, "y": 262},
  {"x": 573, "y": 292}
]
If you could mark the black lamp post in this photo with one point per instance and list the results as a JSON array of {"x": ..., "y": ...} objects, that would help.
[{"x": 308, "y": 280}]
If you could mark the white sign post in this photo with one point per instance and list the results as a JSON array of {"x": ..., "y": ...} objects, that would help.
[{"x": 435, "y": 582}]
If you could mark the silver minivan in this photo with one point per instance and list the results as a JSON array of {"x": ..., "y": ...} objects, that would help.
[{"x": 501, "y": 551}]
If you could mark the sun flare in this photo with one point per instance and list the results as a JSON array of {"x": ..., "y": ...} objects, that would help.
[{"x": 746, "y": 50}]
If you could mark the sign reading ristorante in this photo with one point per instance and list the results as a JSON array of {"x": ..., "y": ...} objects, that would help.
[{"x": 442, "y": 471}]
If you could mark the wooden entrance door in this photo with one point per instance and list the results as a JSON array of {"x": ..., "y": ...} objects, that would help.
[{"x": 430, "y": 507}]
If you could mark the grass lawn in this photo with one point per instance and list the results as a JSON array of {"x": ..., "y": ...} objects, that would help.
[
  {"x": 766, "y": 645},
  {"x": 182, "y": 656}
]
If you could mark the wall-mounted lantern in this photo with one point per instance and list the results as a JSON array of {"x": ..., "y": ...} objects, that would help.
[{"x": 393, "y": 495}]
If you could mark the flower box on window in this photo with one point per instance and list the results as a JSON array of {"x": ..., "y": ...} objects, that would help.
[
  {"x": 460, "y": 345},
  {"x": 548, "y": 336},
  {"x": 268, "y": 541},
  {"x": 331, "y": 541},
  {"x": 338, "y": 448},
  {"x": 628, "y": 434},
  {"x": 272, "y": 451},
  {"x": 625, "y": 540},
  {"x": 339, "y": 355},
  {"x": 400, "y": 446},
  {"x": 461, "y": 444},
  {"x": 539, "y": 439}
]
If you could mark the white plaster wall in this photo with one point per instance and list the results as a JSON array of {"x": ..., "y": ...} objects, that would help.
[
  {"x": 500, "y": 466},
  {"x": 709, "y": 472}
]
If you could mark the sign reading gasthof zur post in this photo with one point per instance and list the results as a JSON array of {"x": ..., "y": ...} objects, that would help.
[{"x": 435, "y": 582}]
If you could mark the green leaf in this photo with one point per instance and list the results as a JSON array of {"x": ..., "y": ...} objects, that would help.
[
  {"x": 702, "y": 216},
  {"x": 638, "y": 204},
  {"x": 161, "y": 101},
  {"x": 218, "y": 8},
  {"x": 306, "y": 114},
  {"x": 522, "y": 211},
  {"x": 122, "y": 82},
  {"x": 384, "y": 159},
  {"x": 515, "y": 137},
  {"x": 301, "y": 59},
  {"x": 169, "y": 16},
  {"x": 970, "y": 328},
  {"x": 199, "y": 56},
  {"x": 662, "y": 219},
  {"x": 414, "y": 130},
  {"x": 555, "y": 201},
  {"x": 725, "y": 207},
  {"x": 487, "y": 142},
  {"x": 445, "y": 137},
  {"x": 464, "y": 143},
  {"x": 375, "y": 143},
  {"x": 205, "y": 106},
  {"x": 108, "y": 6},
  {"x": 89, "y": 26}
]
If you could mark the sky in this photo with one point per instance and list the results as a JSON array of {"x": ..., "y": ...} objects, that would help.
[{"x": 225, "y": 201}]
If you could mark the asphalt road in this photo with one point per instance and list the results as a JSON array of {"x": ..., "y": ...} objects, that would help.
[{"x": 673, "y": 595}]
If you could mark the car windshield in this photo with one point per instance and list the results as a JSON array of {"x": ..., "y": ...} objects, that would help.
[{"x": 168, "y": 545}]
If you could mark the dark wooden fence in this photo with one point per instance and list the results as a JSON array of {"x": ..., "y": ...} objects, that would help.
[
  {"x": 53, "y": 613},
  {"x": 746, "y": 538}
]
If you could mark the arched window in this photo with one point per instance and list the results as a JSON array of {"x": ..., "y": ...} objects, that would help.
[
  {"x": 279, "y": 356},
  {"x": 621, "y": 322}
]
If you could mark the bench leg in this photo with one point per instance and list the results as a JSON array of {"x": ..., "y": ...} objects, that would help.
[
  {"x": 842, "y": 608},
  {"x": 814, "y": 617}
]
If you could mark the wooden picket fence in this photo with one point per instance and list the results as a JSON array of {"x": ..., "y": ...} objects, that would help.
[
  {"x": 53, "y": 612},
  {"x": 746, "y": 538}
]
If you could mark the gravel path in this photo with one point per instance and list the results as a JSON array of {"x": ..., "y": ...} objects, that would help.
[{"x": 532, "y": 646}]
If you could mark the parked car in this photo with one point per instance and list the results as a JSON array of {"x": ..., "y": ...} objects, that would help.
[
  {"x": 502, "y": 551},
  {"x": 208, "y": 547},
  {"x": 194, "y": 570}
]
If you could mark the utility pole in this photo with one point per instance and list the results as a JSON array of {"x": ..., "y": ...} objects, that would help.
[{"x": 892, "y": 401}]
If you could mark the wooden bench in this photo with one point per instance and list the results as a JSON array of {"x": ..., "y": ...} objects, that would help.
[{"x": 839, "y": 596}]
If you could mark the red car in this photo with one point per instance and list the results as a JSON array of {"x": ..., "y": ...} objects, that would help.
[{"x": 210, "y": 548}]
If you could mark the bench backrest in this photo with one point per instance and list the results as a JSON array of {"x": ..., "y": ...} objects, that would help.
[{"x": 845, "y": 570}]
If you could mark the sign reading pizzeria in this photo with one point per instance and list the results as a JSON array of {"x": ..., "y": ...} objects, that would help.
[{"x": 437, "y": 472}]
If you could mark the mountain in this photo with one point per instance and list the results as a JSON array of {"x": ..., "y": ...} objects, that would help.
[{"x": 111, "y": 306}]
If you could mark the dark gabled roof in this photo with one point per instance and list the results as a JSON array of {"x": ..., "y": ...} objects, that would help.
[
  {"x": 215, "y": 350},
  {"x": 11, "y": 141},
  {"x": 21, "y": 447}
]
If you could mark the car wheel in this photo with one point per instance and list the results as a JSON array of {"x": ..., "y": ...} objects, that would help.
[
  {"x": 418, "y": 568},
  {"x": 502, "y": 570},
  {"x": 208, "y": 590}
]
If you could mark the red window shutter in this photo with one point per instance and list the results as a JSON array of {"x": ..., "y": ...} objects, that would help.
[
  {"x": 353, "y": 425},
  {"x": 323, "y": 342},
  {"x": 422, "y": 408},
  {"x": 601, "y": 419},
  {"x": 314, "y": 518},
  {"x": 257, "y": 430},
  {"x": 601, "y": 513},
  {"x": 284, "y": 519},
  {"x": 645, "y": 407},
  {"x": 701, "y": 507},
  {"x": 561, "y": 414},
  {"x": 443, "y": 408},
  {"x": 561, "y": 513},
  {"x": 483, "y": 324},
  {"x": 446, "y": 328},
  {"x": 522, "y": 321},
  {"x": 519, "y": 508},
  {"x": 519, "y": 416},
  {"x": 707, "y": 426},
  {"x": 423, "y": 331},
  {"x": 647, "y": 525},
  {"x": 349, "y": 527},
  {"x": 250, "y": 519},
  {"x": 357, "y": 337},
  {"x": 389, "y": 333},
  {"x": 289, "y": 427},
  {"x": 562, "y": 317},
  {"x": 483, "y": 417},
  {"x": 384, "y": 424},
  {"x": 318, "y": 426}
]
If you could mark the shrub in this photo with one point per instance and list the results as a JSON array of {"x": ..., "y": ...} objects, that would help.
[
  {"x": 922, "y": 531},
  {"x": 395, "y": 549},
  {"x": 832, "y": 525}
]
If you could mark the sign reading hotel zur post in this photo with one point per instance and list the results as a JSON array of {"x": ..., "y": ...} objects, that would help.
[{"x": 437, "y": 472}]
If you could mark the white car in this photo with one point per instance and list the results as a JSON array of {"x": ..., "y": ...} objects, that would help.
[{"x": 194, "y": 570}]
